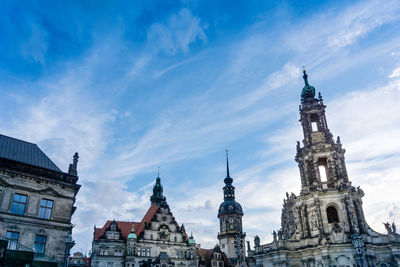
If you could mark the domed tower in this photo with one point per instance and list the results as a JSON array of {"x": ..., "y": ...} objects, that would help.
[{"x": 231, "y": 236}]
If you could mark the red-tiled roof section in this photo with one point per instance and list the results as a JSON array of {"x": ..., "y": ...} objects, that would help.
[
  {"x": 147, "y": 218},
  {"x": 126, "y": 227},
  {"x": 206, "y": 254}
]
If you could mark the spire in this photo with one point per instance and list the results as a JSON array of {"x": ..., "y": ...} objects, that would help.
[
  {"x": 227, "y": 164},
  {"x": 73, "y": 166},
  {"x": 228, "y": 180}
]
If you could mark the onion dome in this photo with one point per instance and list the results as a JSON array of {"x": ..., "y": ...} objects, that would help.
[
  {"x": 191, "y": 239},
  {"x": 308, "y": 92},
  {"x": 132, "y": 234}
]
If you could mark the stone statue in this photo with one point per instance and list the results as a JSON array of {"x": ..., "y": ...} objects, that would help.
[
  {"x": 388, "y": 228},
  {"x": 280, "y": 234},
  {"x": 274, "y": 235},
  {"x": 248, "y": 246},
  {"x": 393, "y": 228},
  {"x": 256, "y": 241}
]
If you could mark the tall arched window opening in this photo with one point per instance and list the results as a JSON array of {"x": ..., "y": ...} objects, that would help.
[{"x": 332, "y": 215}]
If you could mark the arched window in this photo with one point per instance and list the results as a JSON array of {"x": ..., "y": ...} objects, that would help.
[{"x": 332, "y": 215}]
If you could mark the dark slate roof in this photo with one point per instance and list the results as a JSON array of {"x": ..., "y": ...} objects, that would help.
[{"x": 25, "y": 152}]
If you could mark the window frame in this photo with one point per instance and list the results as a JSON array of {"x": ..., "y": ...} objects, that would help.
[
  {"x": 18, "y": 204},
  {"x": 13, "y": 243},
  {"x": 40, "y": 243},
  {"x": 46, "y": 208}
]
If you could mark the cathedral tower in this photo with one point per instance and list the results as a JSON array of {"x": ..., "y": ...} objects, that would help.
[
  {"x": 321, "y": 159},
  {"x": 231, "y": 236},
  {"x": 325, "y": 224}
]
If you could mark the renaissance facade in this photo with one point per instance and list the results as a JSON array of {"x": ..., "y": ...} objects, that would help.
[
  {"x": 36, "y": 205},
  {"x": 157, "y": 240},
  {"x": 325, "y": 224}
]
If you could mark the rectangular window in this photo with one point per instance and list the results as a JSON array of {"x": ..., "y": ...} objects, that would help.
[
  {"x": 18, "y": 206},
  {"x": 12, "y": 238},
  {"x": 148, "y": 252},
  {"x": 118, "y": 252},
  {"x": 45, "y": 209},
  {"x": 314, "y": 126},
  {"x": 40, "y": 243},
  {"x": 322, "y": 173}
]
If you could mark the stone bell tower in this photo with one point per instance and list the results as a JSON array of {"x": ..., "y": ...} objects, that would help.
[
  {"x": 231, "y": 236},
  {"x": 321, "y": 159},
  {"x": 324, "y": 225}
]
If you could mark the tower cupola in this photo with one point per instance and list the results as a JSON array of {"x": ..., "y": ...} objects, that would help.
[
  {"x": 308, "y": 92},
  {"x": 157, "y": 196}
]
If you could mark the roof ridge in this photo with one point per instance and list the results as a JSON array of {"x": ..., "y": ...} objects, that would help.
[
  {"x": 25, "y": 152},
  {"x": 20, "y": 140}
]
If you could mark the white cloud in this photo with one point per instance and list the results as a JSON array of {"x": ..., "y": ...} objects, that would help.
[
  {"x": 176, "y": 33},
  {"x": 361, "y": 19}
]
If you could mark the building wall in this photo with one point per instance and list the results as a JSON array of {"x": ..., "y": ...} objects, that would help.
[{"x": 29, "y": 224}]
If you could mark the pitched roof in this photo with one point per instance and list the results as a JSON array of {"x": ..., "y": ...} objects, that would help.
[
  {"x": 147, "y": 218},
  {"x": 126, "y": 227},
  {"x": 207, "y": 254},
  {"x": 25, "y": 152}
]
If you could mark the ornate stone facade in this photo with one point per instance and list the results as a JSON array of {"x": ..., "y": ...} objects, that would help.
[
  {"x": 157, "y": 240},
  {"x": 231, "y": 236},
  {"x": 36, "y": 202},
  {"x": 325, "y": 224}
]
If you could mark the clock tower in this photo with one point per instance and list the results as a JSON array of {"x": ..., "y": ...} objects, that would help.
[{"x": 231, "y": 236}]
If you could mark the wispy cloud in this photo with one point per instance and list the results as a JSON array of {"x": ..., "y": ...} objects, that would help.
[
  {"x": 176, "y": 33},
  {"x": 106, "y": 105}
]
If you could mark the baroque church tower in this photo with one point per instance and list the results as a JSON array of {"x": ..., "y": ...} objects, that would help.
[
  {"x": 325, "y": 224},
  {"x": 231, "y": 236}
]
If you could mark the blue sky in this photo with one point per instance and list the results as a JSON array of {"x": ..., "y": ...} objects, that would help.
[{"x": 136, "y": 85}]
